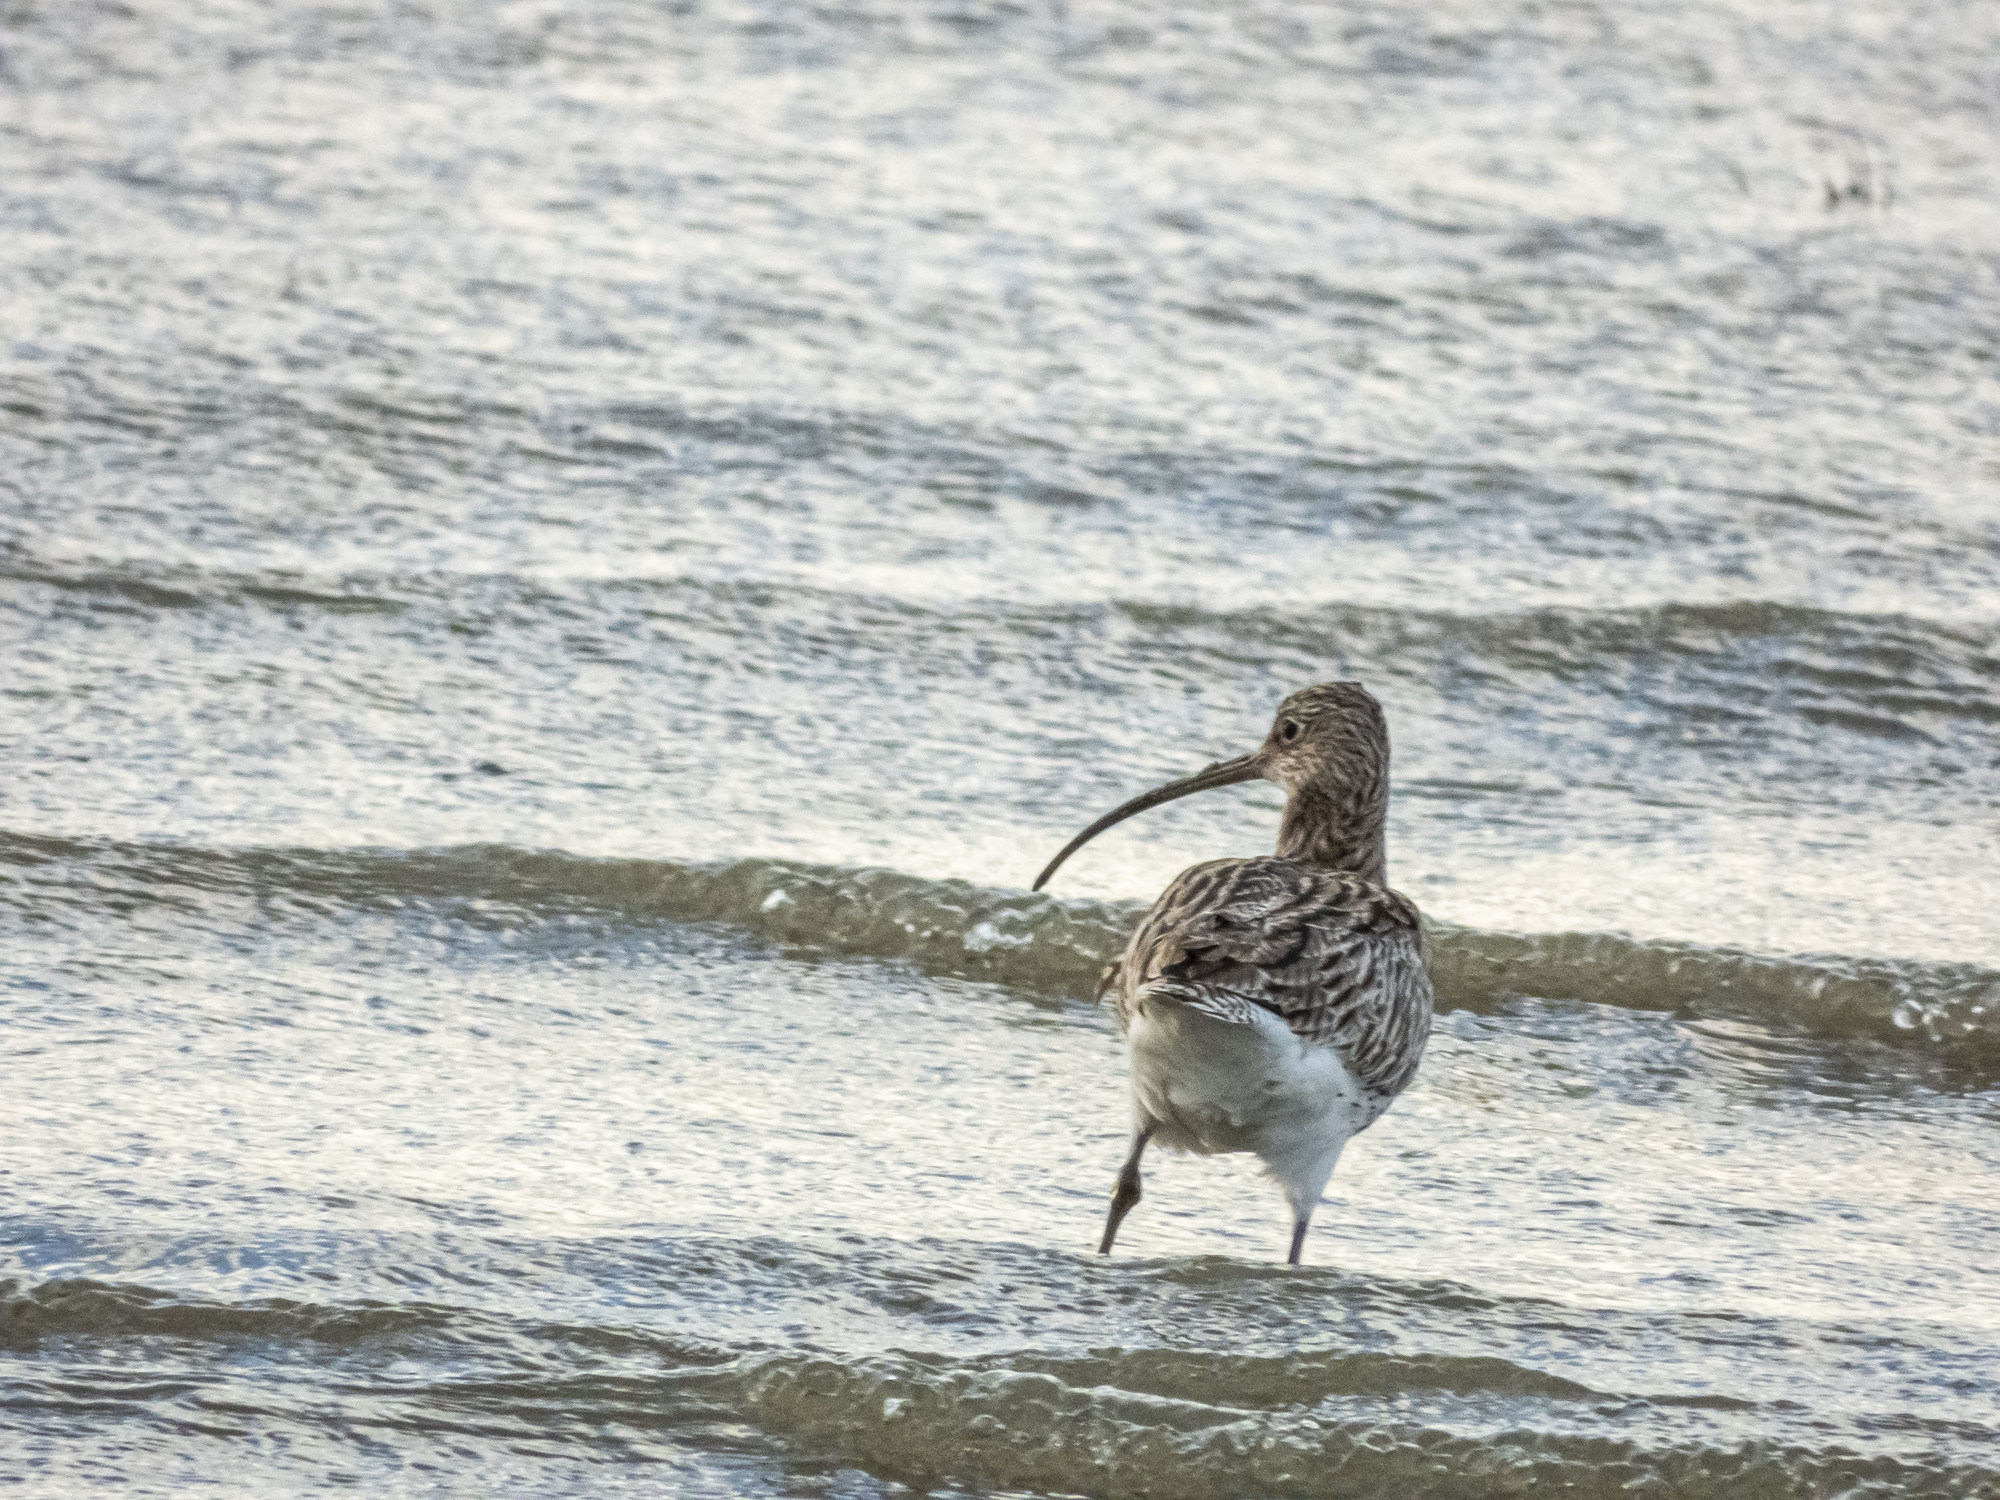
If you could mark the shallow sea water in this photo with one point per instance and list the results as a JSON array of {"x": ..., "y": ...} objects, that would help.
[{"x": 563, "y": 566}]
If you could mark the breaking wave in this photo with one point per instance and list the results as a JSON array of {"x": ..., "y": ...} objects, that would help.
[
  {"x": 1168, "y": 1422},
  {"x": 1032, "y": 941},
  {"x": 1029, "y": 1427}
]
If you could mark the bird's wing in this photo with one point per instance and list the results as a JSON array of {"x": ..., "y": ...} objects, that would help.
[{"x": 1339, "y": 958}]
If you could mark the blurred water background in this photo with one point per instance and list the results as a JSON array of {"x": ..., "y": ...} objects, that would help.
[{"x": 562, "y": 566}]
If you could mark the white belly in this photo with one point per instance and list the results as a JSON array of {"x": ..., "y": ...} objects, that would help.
[{"x": 1214, "y": 1086}]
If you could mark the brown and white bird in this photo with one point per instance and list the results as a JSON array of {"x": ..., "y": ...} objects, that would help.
[{"x": 1276, "y": 1004}]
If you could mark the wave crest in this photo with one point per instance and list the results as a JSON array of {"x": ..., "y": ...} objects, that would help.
[
  {"x": 1028, "y": 1428},
  {"x": 1037, "y": 942}
]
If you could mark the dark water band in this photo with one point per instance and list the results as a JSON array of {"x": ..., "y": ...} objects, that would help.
[{"x": 1051, "y": 946}]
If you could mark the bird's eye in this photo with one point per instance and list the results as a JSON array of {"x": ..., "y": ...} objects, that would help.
[{"x": 1290, "y": 730}]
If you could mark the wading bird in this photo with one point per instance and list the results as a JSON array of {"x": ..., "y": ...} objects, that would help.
[{"x": 1276, "y": 1004}]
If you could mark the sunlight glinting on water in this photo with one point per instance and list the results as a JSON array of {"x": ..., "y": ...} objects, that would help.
[{"x": 563, "y": 566}]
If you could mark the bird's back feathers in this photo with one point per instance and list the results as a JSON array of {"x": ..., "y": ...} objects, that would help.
[{"x": 1338, "y": 958}]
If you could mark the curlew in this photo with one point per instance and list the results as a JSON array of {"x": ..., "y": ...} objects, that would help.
[{"x": 1276, "y": 1004}]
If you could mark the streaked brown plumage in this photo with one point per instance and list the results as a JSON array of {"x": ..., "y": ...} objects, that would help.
[
  {"x": 1339, "y": 959},
  {"x": 1277, "y": 1004}
]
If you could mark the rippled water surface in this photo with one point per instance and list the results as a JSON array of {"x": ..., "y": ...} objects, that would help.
[{"x": 563, "y": 565}]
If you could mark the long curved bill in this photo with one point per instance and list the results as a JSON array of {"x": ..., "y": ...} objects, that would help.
[{"x": 1222, "y": 773}]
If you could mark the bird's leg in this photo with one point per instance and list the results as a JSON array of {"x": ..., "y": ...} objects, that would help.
[
  {"x": 1298, "y": 1241},
  {"x": 1127, "y": 1192},
  {"x": 1304, "y": 1183}
]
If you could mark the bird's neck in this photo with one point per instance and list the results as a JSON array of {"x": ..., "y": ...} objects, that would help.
[{"x": 1343, "y": 830}]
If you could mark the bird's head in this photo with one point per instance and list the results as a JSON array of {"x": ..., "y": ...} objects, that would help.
[{"x": 1330, "y": 738}]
